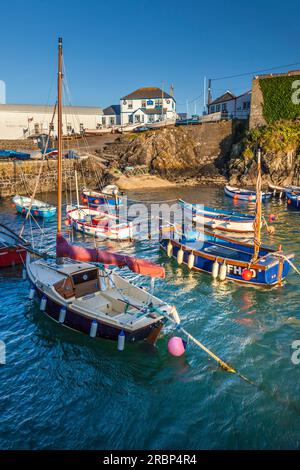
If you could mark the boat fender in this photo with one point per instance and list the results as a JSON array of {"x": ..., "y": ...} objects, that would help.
[
  {"x": 169, "y": 249},
  {"x": 215, "y": 269},
  {"x": 180, "y": 256},
  {"x": 31, "y": 293},
  {"x": 43, "y": 303},
  {"x": 93, "y": 329},
  {"x": 176, "y": 346},
  {"x": 223, "y": 271},
  {"x": 24, "y": 274},
  {"x": 62, "y": 314},
  {"x": 121, "y": 341},
  {"x": 191, "y": 260}
]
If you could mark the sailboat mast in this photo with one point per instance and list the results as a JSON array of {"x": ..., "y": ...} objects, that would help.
[
  {"x": 258, "y": 211},
  {"x": 59, "y": 133}
]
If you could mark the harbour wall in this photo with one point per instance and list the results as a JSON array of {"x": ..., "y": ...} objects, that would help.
[{"x": 19, "y": 177}]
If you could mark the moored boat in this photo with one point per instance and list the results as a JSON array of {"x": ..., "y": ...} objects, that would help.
[
  {"x": 88, "y": 298},
  {"x": 224, "y": 258},
  {"x": 216, "y": 219},
  {"x": 276, "y": 190},
  {"x": 35, "y": 207},
  {"x": 293, "y": 200},
  {"x": 109, "y": 195},
  {"x": 12, "y": 247},
  {"x": 245, "y": 194},
  {"x": 97, "y": 224}
]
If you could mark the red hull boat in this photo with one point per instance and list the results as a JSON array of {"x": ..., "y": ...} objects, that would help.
[{"x": 12, "y": 248}]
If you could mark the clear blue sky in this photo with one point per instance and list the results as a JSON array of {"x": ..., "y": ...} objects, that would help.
[{"x": 113, "y": 47}]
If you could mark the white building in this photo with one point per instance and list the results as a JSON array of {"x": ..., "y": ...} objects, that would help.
[
  {"x": 147, "y": 105},
  {"x": 232, "y": 106},
  {"x": 111, "y": 116},
  {"x": 18, "y": 121}
]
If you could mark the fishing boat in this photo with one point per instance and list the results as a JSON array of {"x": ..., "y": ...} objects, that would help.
[
  {"x": 97, "y": 224},
  {"x": 245, "y": 194},
  {"x": 216, "y": 219},
  {"x": 293, "y": 199},
  {"x": 225, "y": 258},
  {"x": 90, "y": 298},
  {"x": 292, "y": 189},
  {"x": 109, "y": 195},
  {"x": 13, "y": 154},
  {"x": 12, "y": 247},
  {"x": 276, "y": 190},
  {"x": 35, "y": 207}
]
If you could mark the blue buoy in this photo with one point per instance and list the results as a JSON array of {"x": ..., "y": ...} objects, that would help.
[{"x": 121, "y": 341}]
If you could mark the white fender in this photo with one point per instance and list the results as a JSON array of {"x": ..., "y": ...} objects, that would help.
[
  {"x": 169, "y": 249},
  {"x": 62, "y": 314},
  {"x": 180, "y": 256},
  {"x": 191, "y": 260},
  {"x": 223, "y": 272},
  {"x": 215, "y": 270}
]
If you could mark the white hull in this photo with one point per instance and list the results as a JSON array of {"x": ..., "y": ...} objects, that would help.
[{"x": 98, "y": 224}]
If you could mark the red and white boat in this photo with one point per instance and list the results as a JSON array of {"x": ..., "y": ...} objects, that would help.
[
  {"x": 97, "y": 224},
  {"x": 12, "y": 248}
]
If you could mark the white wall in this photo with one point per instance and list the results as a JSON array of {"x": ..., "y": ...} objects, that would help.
[
  {"x": 237, "y": 108},
  {"x": 13, "y": 124},
  {"x": 126, "y": 110}
]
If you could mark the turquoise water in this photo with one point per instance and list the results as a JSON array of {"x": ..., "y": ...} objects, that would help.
[{"x": 62, "y": 390}]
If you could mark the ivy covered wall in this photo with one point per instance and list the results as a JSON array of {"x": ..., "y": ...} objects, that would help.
[{"x": 278, "y": 94}]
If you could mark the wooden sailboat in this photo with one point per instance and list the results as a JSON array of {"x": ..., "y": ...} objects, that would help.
[
  {"x": 90, "y": 299},
  {"x": 108, "y": 196},
  {"x": 226, "y": 258}
]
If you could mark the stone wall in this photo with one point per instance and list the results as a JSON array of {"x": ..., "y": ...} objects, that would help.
[
  {"x": 19, "y": 177},
  {"x": 19, "y": 144}
]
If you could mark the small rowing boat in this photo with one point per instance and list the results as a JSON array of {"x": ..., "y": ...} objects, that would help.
[
  {"x": 109, "y": 195},
  {"x": 293, "y": 200},
  {"x": 276, "y": 190},
  {"x": 12, "y": 247},
  {"x": 97, "y": 224},
  {"x": 36, "y": 208},
  {"x": 216, "y": 219},
  {"x": 245, "y": 194}
]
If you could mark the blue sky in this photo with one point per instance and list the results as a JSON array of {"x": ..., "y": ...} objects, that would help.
[{"x": 114, "y": 47}]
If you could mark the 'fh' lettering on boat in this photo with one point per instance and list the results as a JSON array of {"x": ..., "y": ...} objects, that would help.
[{"x": 237, "y": 270}]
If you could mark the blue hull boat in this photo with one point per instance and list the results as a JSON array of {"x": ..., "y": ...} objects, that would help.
[
  {"x": 14, "y": 154},
  {"x": 245, "y": 194},
  {"x": 225, "y": 258},
  {"x": 108, "y": 196},
  {"x": 35, "y": 207},
  {"x": 293, "y": 200}
]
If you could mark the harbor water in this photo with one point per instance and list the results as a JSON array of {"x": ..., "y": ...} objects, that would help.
[{"x": 62, "y": 390}]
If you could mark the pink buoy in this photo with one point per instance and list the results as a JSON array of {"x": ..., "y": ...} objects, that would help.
[
  {"x": 272, "y": 218},
  {"x": 176, "y": 346}
]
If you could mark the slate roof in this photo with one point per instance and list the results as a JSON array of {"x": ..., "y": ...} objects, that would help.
[
  {"x": 227, "y": 96},
  {"x": 146, "y": 92},
  {"x": 113, "y": 109}
]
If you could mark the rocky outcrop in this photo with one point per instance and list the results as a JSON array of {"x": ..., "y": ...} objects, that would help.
[
  {"x": 178, "y": 153},
  {"x": 280, "y": 143}
]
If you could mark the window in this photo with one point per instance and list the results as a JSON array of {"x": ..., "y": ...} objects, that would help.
[
  {"x": 218, "y": 108},
  {"x": 212, "y": 109},
  {"x": 224, "y": 106},
  {"x": 112, "y": 120},
  {"x": 36, "y": 128},
  {"x": 103, "y": 121},
  {"x": 130, "y": 104},
  {"x": 81, "y": 127},
  {"x": 244, "y": 105},
  {"x": 151, "y": 118},
  {"x": 144, "y": 104},
  {"x": 69, "y": 127},
  {"x": 158, "y": 103}
]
